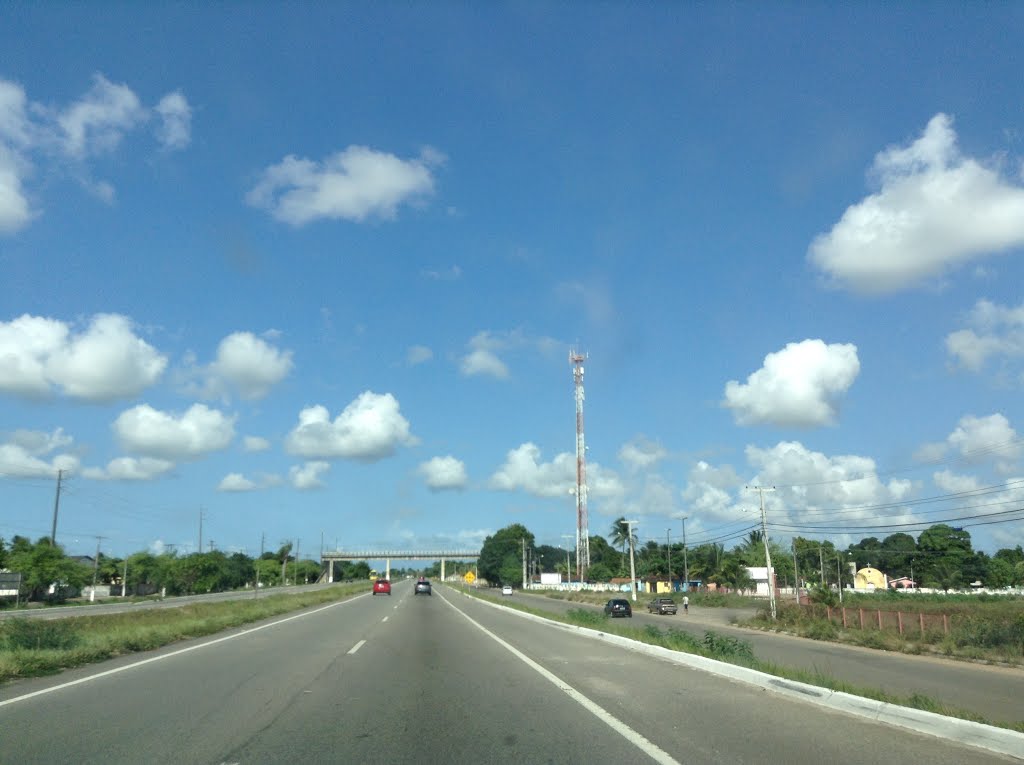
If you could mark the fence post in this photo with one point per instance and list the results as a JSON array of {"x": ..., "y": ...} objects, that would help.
[
  {"x": 844, "y": 617},
  {"x": 899, "y": 621},
  {"x": 860, "y": 614},
  {"x": 828, "y": 612},
  {"x": 945, "y": 623},
  {"x": 920, "y": 619},
  {"x": 879, "y": 612}
]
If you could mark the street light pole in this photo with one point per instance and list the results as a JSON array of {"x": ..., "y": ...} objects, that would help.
[
  {"x": 668, "y": 546},
  {"x": 632, "y": 565},
  {"x": 686, "y": 567}
]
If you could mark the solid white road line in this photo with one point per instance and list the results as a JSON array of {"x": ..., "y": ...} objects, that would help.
[{"x": 645, "y": 745}]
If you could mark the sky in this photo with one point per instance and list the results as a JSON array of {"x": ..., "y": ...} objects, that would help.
[{"x": 313, "y": 271}]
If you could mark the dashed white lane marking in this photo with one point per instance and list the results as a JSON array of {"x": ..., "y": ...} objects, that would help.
[
  {"x": 180, "y": 651},
  {"x": 385, "y": 619},
  {"x": 645, "y": 745},
  {"x": 357, "y": 646}
]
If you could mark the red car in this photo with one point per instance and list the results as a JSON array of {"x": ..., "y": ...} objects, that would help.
[{"x": 382, "y": 587}]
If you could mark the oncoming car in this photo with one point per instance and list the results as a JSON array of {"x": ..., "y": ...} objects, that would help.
[
  {"x": 506, "y": 590},
  {"x": 382, "y": 587}
]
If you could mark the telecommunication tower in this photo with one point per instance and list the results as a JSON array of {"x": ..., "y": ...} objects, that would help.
[{"x": 582, "y": 530}]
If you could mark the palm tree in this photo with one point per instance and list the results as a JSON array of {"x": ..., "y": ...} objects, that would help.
[{"x": 620, "y": 537}]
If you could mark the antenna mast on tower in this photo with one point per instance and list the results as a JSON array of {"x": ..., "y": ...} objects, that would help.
[{"x": 582, "y": 530}]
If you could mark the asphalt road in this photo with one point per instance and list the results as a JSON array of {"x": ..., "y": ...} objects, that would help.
[
  {"x": 995, "y": 693},
  {"x": 417, "y": 679}
]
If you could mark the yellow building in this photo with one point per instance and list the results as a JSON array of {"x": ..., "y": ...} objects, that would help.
[{"x": 869, "y": 578}]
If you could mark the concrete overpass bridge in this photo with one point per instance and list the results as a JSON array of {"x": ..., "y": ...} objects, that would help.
[{"x": 329, "y": 558}]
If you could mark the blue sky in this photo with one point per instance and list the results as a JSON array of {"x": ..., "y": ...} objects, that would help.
[{"x": 316, "y": 270}]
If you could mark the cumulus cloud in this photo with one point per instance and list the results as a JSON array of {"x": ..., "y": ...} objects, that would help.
[
  {"x": 441, "y": 473},
  {"x": 981, "y": 438},
  {"x": 245, "y": 363},
  {"x": 418, "y": 354},
  {"x": 523, "y": 470},
  {"x": 151, "y": 432},
  {"x": 935, "y": 210},
  {"x": 255, "y": 444},
  {"x": 308, "y": 476},
  {"x": 354, "y": 184},
  {"x": 67, "y": 137},
  {"x": 104, "y": 362},
  {"x": 951, "y": 483},
  {"x": 30, "y": 454},
  {"x": 236, "y": 482},
  {"x": 483, "y": 348},
  {"x": 993, "y": 330},
  {"x": 369, "y": 429},
  {"x": 799, "y": 386},
  {"x": 175, "y": 128},
  {"x": 130, "y": 469},
  {"x": 641, "y": 453}
]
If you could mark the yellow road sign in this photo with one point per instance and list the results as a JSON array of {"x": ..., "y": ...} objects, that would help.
[{"x": 470, "y": 577}]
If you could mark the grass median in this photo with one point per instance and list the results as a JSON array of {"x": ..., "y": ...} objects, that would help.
[
  {"x": 31, "y": 647},
  {"x": 736, "y": 651}
]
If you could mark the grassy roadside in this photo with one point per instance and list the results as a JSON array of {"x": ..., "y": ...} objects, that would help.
[
  {"x": 697, "y": 599},
  {"x": 31, "y": 647},
  {"x": 735, "y": 651}
]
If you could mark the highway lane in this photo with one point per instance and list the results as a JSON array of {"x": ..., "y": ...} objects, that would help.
[
  {"x": 995, "y": 693},
  {"x": 409, "y": 679}
]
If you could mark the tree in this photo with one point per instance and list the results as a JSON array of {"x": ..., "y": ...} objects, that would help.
[
  {"x": 599, "y": 572},
  {"x": 945, "y": 549},
  {"x": 42, "y": 565},
  {"x": 897, "y": 554},
  {"x": 501, "y": 554},
  {"x": 1000, "y": 573},
  {"x": 620, "y": 534}
]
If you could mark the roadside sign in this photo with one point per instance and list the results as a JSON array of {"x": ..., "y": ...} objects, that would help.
[
  {"x": 9, "y": 585},
  {"x": 470, "y": 577}
]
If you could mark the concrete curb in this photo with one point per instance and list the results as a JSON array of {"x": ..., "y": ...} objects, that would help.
[{"x": 966, "y": 732}]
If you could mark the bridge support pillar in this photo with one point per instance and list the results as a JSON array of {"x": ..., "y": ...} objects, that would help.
[
  {"x": 442, "y": 569},
  {"x": 387, "y": 569},
  {"x": 330, "y": 570}
]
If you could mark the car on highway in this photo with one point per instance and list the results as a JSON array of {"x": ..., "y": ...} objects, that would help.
[
  {"x": 506, "y": 590},
  {"x": 618, "y": 607},
  {"x": 382, "y": 587},
  {"x": 663, "y": 606},
  {"x": 422, "y": 587}
]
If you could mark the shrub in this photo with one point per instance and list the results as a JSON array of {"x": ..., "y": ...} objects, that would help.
[
  {"x": 585, "y": 617},
  {"x": 727, "y": 646},
  {"x": 821, "y": 629}
]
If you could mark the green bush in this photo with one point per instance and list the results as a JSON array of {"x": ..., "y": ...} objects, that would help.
[
  {"x": 726, "y": 646},
  {"x": 41, "y": 634},
  {"x": 821, "y": 629},
  {"x": 586, "y": 618}
]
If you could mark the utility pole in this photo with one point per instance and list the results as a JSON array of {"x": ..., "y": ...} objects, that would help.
[
  {"x": 767, "y": 554},
  {"x": 668, "y": 546},
  {"x": 568, "y": 570},
  {"x": 524, "y": 563},
  {"x": 124, "y": 579},
  {"x": 686, "y": 567},
  {"x": 582, "y": 524},
  {"x": 796, "y": 574},
  {"x": 839, "y": 576},
  {"x": 95, "y": 569},
  {"x": 821, "y": 565},
  {"x": 632, "y": 565},
  {"x": 202, "y": 512},
  {"x": 56, "y": 507}
]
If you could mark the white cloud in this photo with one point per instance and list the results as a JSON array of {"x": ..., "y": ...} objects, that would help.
[
  {"x": 481, "y": 361},
  {"x": 250, "y": 364},
  {"x": 175, "y": 129},
  {"x": 994, "y": 330},
  {"x": 935, "y": 210},
  {"x": 308, "y": 476},
  {"x": 983, "y": 438},
  {"x": 370, "y": 428},
  {"x": 97, "y": 122},
  {"x": 154, "y": 433},
  {"x": 484, "y": 347},
  {"x": 26, "y": 454},
  {"x": 236, "y": 482},
  {"x": 354, "y": 184},
  {"x": 523, "y": 470},
  {"x": 951, "y": 483},
  {"x": 105, "y": 362},
  {"x": 442, "y": 473},
  {"x": 641, "y": 453},
  {"x": 130, "y": 469},
  {"x": 66, "y": 137},
  {"x": 255, "y": 444},
  {"x": 418, "y": 354},
  {"x": 799, "y": 386}
]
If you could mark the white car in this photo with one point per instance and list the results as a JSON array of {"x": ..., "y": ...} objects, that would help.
[{"x": 506, "y": 590}]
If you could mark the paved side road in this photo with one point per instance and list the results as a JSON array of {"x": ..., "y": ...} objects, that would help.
[{"x": 994, "y": 693}]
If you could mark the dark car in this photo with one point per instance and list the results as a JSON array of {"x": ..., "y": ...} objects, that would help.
[
  {"x": 382, "y": 587},
  {"x": 422, "y": 588},
  {"x": 618, "y": 607},
  {"x": 662, "y": 606}
]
